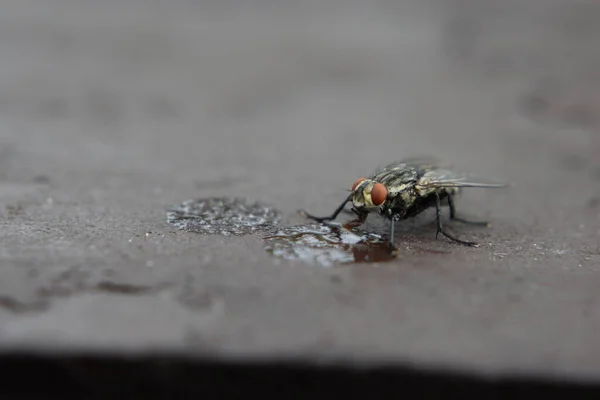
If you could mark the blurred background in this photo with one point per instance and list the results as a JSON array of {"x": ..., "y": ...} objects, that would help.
[
  {"x": 181, "y": 87},
  {"x": 273, "y": 95}
]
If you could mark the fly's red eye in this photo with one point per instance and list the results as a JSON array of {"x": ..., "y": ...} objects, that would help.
[
  {"x": 358, "y": 181},
  {"x": 378, "y": 194}
]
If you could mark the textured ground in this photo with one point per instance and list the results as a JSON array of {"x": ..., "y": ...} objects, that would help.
[{"x": 112, "y": 111}]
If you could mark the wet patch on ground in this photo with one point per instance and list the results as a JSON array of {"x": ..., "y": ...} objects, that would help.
[
  {"x": 223, "y": 216},
  {"x": 328, "y": 245},
  {"x": 316, "y": 244}
]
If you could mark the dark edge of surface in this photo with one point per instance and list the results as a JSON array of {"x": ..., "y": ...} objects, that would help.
[{"x": 160, "y": 376}]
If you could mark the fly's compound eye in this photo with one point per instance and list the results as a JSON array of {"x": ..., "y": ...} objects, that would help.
[
  {"x": 358, "y": 181},
  {"x": 378, "y": 194}
]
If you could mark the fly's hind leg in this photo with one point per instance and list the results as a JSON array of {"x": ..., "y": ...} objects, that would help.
[
  {"x": 440, "y": 228},
  {"x": 464, "y": 221}
]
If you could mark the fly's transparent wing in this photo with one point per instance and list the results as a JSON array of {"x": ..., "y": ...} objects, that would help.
[
  {"x": 440, "y": 178},
  {"x": 417, "y": 161}
]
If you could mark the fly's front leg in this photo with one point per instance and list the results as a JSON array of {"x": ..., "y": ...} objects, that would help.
[
  {"x": 329, "y": 218},
  {"x": 391, "y": 240},
  {"x": 358, "y": 221},
  {"x": 440, "y": 228},
  {"x": 464, "y": 221}
]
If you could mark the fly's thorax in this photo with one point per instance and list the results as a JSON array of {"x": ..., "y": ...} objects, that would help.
[{"x": 365, "y": 198}]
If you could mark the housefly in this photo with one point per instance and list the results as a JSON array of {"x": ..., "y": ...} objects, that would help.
[{"x": 404, "y": 189}]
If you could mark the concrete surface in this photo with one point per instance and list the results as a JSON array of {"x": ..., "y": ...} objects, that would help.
[{"x": 112, "y": 111}]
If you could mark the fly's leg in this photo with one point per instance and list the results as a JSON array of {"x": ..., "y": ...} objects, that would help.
[
  {"x": 332, "y": 216},
  {"x": 464, "y": 221},
  {"x": 391, "y": 239},
  {"x": 440, "y": 228},
  {"x": 358, "y": 221}
]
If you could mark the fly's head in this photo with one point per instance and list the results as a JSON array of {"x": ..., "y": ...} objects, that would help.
[{"x": 367, "y": 196}]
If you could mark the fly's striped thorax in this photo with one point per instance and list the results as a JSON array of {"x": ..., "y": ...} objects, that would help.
[{"x": 397, "y": 180}]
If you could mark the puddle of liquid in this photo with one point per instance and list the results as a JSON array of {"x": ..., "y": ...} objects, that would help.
[
  {"x": 328, "y": 245},
  {"x": 316, "y": 244},
  {"x": 223, "y": 216}
]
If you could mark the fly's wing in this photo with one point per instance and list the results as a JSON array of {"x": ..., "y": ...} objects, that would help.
[
  {"x": 443, "y": 178},
  {"x": 419, "y": 161}
]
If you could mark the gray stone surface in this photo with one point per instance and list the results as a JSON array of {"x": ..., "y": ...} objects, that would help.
[{"x": 111, "y": 111}]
